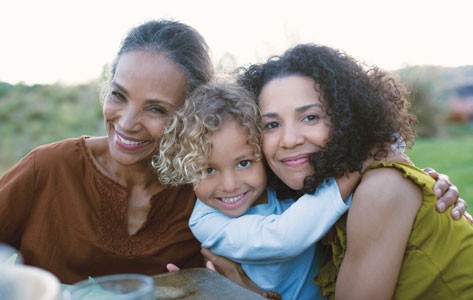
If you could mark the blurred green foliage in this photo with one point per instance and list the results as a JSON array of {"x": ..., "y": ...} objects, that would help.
[
  {"x": 451, "y": 155},
  {"x": 426, "y": 103},
  {"x": 39, "y": 114},
  {"x": 431, "y": 89}
]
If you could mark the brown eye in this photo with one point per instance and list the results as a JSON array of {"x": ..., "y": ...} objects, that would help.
[
  {"x": 244, "y": 163},
  {"x": 271, "y": 125},
  {"x": 158, "y": 110},
  {"x": 311, "y": 118},
  {"x": 115, "y": 95}
]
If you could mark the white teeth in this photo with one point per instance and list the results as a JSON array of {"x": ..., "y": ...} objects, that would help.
[
  {"x": 232, "y": 199},
  {"x": 128, "y": 142}
]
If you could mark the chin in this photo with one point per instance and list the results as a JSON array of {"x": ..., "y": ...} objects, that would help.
[
  {"x": 294, "y": 180},
  {"x": 236, "y": 214},
  {"x": 296, "y": 185}
]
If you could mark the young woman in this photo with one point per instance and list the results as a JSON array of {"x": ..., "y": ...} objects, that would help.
[{"x": 393, "y": 245}]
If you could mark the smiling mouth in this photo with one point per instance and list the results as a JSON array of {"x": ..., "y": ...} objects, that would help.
[
  {"x": 231, "y": 200},
  {"x": 128, "y": 142},
  {"x": 295, "y": 161}
]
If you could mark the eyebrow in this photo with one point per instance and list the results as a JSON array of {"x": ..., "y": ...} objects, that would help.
[
  {"x": 298, "y": 110},
  {"x": 124, "y": 90},
  {"x": 245, "y": 156},
  {"x": 114, "y": 83}
]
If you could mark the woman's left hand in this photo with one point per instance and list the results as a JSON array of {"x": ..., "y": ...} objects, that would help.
[
  {"x": 448, "y": 195},
  {"x": 229, "y": 269},
  {"x": 235, "y": 273}
]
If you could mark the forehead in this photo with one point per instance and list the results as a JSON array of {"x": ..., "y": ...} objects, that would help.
[
  {"x": 231, "y": 135},
  {"x": 229, "y": 129},
  {"x": 288, "y": 92},
  {"x": 142, "y": 70}
]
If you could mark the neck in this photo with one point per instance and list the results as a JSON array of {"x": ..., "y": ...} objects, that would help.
[{"x": 139, "y": 174}]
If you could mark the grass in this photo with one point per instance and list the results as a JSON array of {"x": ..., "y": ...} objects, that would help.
[{"x": 449, "y": 155}]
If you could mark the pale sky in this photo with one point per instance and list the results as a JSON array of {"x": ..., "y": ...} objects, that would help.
[{"x": 67, "y": 41}]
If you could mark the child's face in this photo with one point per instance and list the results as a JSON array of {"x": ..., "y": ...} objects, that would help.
[
  {"x": 235, "y": 180},
  {"x": 295, "y": 126}
]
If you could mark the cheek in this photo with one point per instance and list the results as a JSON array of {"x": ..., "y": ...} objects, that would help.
[
  {"x": 268, "y": 145},
  {"x": 319, "y": 135},
  {"x": 260, "y": 178},
  {"x": 202, "y": 190},
  {"x": 112, "y": 111},
  {"x": 156, "y": 128},
  {"x": 107, "y": 110},
  {"x": 326, "y": 132}
]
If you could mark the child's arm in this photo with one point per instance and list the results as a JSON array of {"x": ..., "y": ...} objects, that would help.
[
  {"x": 347, "y": 184},
  {"x": 250, "y": 238}
]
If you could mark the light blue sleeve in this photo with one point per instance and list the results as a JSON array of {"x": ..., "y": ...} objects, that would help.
[{"x": 250, "y": 238}]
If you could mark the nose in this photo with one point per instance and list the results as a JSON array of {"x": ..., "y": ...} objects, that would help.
[
  {"x": 230, "y": 181},
  {"x": 290, "y": 136},
  {"x": 129, "y": 119}
]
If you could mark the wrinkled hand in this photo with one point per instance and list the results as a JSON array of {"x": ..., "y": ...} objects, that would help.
[
  {"x": 448, "y": 195},
  {"x": 234, "y": 272}
]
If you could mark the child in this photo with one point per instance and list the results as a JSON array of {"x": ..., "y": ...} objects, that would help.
[{"x": 213, "y": 142}]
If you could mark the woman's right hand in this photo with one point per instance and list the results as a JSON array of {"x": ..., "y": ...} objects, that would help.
[{"x": 172, "y": 268}]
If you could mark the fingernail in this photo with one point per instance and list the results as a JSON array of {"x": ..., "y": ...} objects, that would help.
[
  {"x": 456, "y": 214},
  {"x": 441, "y": 206},
  {"x": 438, "y": 192}
]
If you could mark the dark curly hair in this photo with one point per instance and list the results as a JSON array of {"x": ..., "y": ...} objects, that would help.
[{"x": 368, "y": 107}]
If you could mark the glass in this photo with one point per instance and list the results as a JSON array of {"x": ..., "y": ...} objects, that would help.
[
  {"x": 113, "y": 287},
  {"x": 9, "y": 255},
  {"x": 21, "y": 282}
]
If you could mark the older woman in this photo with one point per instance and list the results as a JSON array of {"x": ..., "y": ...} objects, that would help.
[{"x": 92, "y": 206}]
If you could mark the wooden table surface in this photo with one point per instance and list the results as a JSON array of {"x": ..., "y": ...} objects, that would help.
[{"x": 199, "y": 283}]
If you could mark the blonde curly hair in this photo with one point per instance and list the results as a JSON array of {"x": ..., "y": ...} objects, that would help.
[{"x": 185, "y": 146}]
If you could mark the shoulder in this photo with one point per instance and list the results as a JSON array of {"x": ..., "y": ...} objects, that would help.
[
  {"x": 383, "y": 199},
  {"x": 386, "y": 186},
  {"x": 96, "y": 144},
  {"x": 379, "y": 224},
  {"x": 60, "y": 148},
  {"x": 48, "y": 160},
  {"x": 61, "y": 154}
]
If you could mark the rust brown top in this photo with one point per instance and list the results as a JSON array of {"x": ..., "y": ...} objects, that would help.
[{"x": 70, "y": 219}]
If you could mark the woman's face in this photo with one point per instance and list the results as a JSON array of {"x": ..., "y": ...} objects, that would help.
[
  {"x": 295, "y": 126},
  {"x": 146, "y": 88}
]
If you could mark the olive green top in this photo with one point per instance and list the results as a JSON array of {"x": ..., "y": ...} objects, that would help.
[{"x": 438, "y": 262}]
